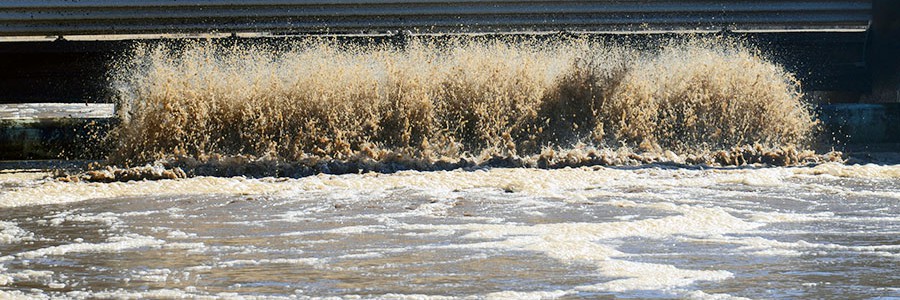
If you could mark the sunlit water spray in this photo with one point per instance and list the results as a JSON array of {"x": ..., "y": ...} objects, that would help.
[
  {"x": 542, "y": 170},
  {"x": 307, "y": 107}
]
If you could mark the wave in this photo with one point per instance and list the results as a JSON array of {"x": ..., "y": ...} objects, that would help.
[{"x": 318, "y": 105}]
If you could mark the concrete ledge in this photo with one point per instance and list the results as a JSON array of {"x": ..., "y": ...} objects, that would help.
[
  {"x": 862, "y": 124},
  {"x": 54, "y": 130},
  {"x": 42, "y": 111}
]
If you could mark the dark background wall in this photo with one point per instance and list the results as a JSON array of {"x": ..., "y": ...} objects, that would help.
[{"x": 77, "y": 71}]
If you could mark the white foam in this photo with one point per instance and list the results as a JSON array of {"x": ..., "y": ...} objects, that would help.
[
  {"x": 532, "y": 181},
  {"x": 647, "y": 276},
  {"x": 151, "y": 294},
  {"x": 779, "y": 217},
  {"x": 700, "y": 295},
  {"x": 10, "y": 233},
  {"x": 32, "y": 275},
  {"x": 115, "y": 244},
  {"x": 107, "y": 218},
  {"x": 178, "y": 234},
  {"x": 583, "y": 242},
  {"x": 19, "y": 295},
  {"x": 21, "y": 177},
  {"x": 26, "y": 275},
  {"x": 868, "y": 171},
  {"x": 365, "y": 255},
  {"x": 256, "y": 262},
  {"x": 152, "y": 275},
  {"x": 355, "y": 229},
  {"x": 394, "y": 296},
  {"x": 757, "y": 177},
  {"x": 536, "y": 295},
  {"x": 767, "y": 247},
  {"x": 55, "y": 192},
  {"x": 685, "y": 205}
]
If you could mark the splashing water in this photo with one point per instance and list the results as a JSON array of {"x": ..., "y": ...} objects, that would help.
[
  {"x": 826, "y": 230},
  {"x": 447, "y": 104}
]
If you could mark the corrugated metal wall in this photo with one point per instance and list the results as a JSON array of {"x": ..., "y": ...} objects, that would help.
[{"x": 70, "y": 17}]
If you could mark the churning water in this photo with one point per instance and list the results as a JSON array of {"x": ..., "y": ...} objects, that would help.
[
  {"x": 452, "y": 103},
  {"x": 830, "y": 231},
  {"x": 524, "y": 170}
]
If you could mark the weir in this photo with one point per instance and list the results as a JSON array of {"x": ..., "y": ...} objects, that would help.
[{"x": 843, "y": 52}]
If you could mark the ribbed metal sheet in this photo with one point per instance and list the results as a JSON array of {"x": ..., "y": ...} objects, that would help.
[{"x": 71, "y": 17}]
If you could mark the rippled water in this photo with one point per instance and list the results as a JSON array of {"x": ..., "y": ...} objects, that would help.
[{"x": 829, "y": 231}]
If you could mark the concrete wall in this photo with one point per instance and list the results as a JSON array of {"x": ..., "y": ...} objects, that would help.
[{"x": 76, "y": 71}]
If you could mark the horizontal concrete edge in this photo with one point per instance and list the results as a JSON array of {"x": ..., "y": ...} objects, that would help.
[{"x": 32, "y": 112}]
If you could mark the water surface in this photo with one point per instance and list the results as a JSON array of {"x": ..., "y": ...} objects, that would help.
[{"x": 829, "y": 231}]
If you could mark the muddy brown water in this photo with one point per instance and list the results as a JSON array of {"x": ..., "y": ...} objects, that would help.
[{"x": 827, "y": 232}]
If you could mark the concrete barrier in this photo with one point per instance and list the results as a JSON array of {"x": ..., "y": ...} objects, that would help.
[
  {"x": 54, "y": 130},
  {"x": 857, "y": 124}
]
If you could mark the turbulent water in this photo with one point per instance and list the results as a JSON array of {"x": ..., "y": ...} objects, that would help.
[
  {"x": 450, "y": 103},
  {"x": 827, "y": 232},
  {"x": 471, "y": 169}
]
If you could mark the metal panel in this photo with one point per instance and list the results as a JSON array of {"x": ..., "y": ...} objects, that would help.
[{"x": 71, "y": 17}]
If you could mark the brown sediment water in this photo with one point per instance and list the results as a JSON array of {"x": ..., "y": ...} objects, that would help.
[
  {"x": 660, "y": 232},
  {"x": 319, "y": 106},
  {"x": 660, "y": 224}
]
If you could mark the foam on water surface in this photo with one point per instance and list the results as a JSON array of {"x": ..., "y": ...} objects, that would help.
[
  {"x": 872, "y": 171},
  {"x": 532, "y": 181},
  {"x": 10, "y": 233},
  {"x": 652, "y": 231}
]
